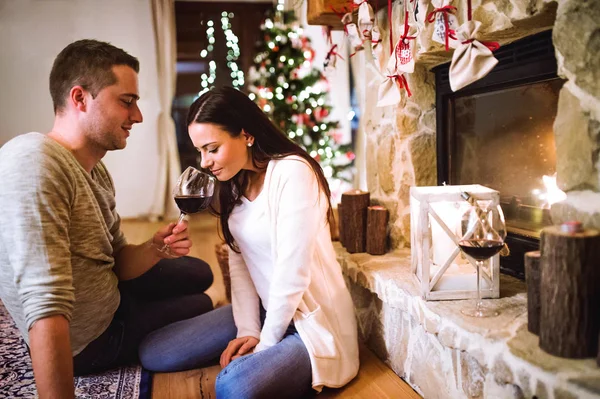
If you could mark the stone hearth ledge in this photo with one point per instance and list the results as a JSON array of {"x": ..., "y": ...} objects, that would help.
[{"x": 444, "y": 354}]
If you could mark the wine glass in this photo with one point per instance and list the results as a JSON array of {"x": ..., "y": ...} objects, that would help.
[
  {"x": 483, "y": 233},
  {"x": 192, "y": 193}
]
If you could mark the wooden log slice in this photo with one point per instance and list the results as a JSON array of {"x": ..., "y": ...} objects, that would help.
[
  {"x": 532, "y": 276},
  {"x": 570, "y": 292},
  {"x": 377, "y": 220},
  {"x": 354, "y": 219}
]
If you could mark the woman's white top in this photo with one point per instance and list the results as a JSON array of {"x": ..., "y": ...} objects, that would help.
[{"x": 288, "y": 261}]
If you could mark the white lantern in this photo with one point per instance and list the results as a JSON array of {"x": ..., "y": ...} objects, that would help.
[{"x": 441, "y": 269}]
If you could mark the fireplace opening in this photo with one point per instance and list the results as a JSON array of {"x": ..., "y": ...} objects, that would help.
[{"x": 498, "y": 132}]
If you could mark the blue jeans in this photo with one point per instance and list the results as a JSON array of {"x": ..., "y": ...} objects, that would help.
[{"x": 282, "y": 371}]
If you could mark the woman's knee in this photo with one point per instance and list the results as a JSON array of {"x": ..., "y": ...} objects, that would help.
[
  {"x": 235, "y": 381},
  {"x": 152, "y": 357}
]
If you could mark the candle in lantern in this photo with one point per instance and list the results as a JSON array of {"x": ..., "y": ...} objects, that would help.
[
  {"x": 436, "y": 216},
  {"x": 443, "y": 245}
]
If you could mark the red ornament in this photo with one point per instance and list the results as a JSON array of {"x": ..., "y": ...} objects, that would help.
[
  {"x": 336, "y": 136},
  {"x": 350, "y": 155},
  {"x": 321, "y": 113},
  {"x": 276, "y": 48},
  {"x": 317, "y": 158}
]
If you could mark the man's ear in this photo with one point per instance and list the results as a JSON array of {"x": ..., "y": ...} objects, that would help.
[{"x": 78, "y": 98}]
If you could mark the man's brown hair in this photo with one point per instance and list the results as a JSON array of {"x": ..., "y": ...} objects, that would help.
[{"x": 86, "y": 63}]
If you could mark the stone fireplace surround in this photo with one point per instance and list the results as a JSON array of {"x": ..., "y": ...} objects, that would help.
[{"x": 441, "y": 353}]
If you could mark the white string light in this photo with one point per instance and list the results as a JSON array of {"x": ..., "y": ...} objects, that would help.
[{"x": 233, "y": 54}]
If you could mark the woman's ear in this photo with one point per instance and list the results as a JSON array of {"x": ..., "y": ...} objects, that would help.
[{"x": 248, "y": 138}]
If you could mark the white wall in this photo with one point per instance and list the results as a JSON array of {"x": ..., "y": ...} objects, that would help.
[{"x": 33, "y": 32}]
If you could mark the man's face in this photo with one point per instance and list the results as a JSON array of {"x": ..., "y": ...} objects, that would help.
[{"x": 113, "y": 112}]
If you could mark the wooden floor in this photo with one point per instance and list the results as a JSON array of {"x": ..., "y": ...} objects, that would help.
[{"x": 374, "y": 381}]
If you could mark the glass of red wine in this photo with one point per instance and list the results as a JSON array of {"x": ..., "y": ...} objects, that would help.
[
  {"x": 483, "y": 233},
  {"x": 192, "y": 193}
]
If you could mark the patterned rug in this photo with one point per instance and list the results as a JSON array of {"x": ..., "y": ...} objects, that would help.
[{"x": 16, "y": 374}]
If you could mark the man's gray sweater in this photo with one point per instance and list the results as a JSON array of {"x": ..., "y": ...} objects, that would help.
[{"x": 59, "y": 231}]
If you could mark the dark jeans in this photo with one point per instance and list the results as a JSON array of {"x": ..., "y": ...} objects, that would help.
[{"x": 171, "y": 291}]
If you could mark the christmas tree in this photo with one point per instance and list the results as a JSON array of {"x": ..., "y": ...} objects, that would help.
[{"x": 293, "y": 93}]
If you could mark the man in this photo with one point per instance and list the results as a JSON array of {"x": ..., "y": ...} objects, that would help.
[{"x": 81, "y": 296}]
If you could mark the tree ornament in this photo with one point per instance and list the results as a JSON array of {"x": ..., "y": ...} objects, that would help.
[{"x": 294, "y": 94}]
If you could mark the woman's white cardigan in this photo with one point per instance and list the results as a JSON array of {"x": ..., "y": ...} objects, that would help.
[{"x": 307, "y": 285}]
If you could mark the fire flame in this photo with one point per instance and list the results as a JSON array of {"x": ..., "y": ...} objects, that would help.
[{"x": 552, "y": 193}]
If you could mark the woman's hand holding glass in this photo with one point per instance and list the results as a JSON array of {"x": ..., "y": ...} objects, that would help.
[{"x": 192, "y": 193}]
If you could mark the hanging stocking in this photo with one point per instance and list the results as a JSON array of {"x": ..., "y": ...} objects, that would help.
[
  {"x": 390, "y": 90},
  {"x": 401, "y": 62},
  {"x": 473, "y": 59},
  {"x": 356, "y": 43},
  {"x": 404, "y": 50},
  {"x": 331, "y": 59},
  {"x": 366, "y": 18},
  {"x": 377, "y": 46},
  {"x": 446, "y": 23}
]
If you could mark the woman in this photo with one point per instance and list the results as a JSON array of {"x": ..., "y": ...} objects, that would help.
[{"x": 291, "y": 326}]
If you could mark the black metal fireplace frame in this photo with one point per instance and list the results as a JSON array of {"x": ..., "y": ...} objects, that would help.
[{"x": 529, "y": 60}]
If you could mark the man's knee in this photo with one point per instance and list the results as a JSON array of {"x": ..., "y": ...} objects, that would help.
[
  {"x": 193, "y": 269},
  {"x": 199, "y": 266}
]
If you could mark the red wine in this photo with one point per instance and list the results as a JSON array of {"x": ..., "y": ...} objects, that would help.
[
  {"x": 481, "y": 249},
  {"x": 192, "y": 203}
]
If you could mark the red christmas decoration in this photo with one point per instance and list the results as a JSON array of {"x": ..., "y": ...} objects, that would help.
[{"x": 321, "y": 113}]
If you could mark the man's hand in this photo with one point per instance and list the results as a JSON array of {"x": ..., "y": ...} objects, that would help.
[
  {"x": 237, "y": 348},
  {"x": 176, "y": 237},
  {"x": 134, "y": 260},
  {"x": 52, "y": 358}
]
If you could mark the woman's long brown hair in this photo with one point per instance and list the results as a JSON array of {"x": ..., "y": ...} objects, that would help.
[{"x": 233, "y": 111}]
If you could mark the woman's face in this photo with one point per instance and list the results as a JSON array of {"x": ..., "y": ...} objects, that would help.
[{"x": 224, "y": 155}]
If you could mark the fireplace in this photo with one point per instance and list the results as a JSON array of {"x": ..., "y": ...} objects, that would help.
[{"x": 498, "y": 132}]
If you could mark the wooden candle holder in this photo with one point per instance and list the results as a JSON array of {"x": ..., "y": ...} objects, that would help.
[
  {"x": 532, "y": 276},
  {"x": 570, "y": 292},
  {"x": 354, "y": 219},
  {"x": 377, "y": 220}
]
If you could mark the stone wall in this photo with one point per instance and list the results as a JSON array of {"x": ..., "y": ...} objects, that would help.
[
  {"x": 443, "y": 354},
  {"x": 401, "y": 141}
]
